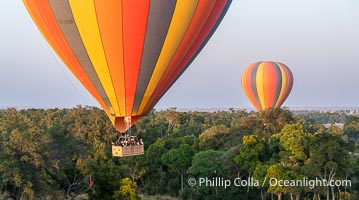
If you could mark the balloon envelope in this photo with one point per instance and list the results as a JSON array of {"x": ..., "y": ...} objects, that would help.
[
  {"x": 127, "y": 53},
  {"x": 267, "y": 84}
]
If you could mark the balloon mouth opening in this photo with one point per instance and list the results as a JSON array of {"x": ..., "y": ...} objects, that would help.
[{"x": 124, "y": 123}]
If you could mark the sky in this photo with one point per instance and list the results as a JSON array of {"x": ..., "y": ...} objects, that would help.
[{"x": 317, "y": 39}]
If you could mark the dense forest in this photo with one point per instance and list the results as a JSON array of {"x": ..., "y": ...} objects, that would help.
[{"x": 66, "y": 154}]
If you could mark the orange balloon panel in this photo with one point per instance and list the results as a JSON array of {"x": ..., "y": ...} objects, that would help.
[
  {"x": 127, "y": 53},
  {"x": 267, "y": 84}
]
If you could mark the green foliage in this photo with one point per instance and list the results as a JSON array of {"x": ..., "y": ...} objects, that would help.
[
  {"x": 329, "y": 154},
  {"x": 207, "y": 163},
  {"x": 294, "y": 142},
  {"x": 230, "y": 166},
  {"x": 322, "y": 117},
  {"x": 250, "y": 153},
  {"x": 24, "y": 156},
  {"x": 66, "y": 154},
  {"x": 127, "y": 190},
  {"x": 214, "y": 137},
  {"x": 276, "y": 171},
  {"x": 178, "y": 159},
  {"x": 351, "y": 129},
  {"x": 274, "y": 119},
  {"x": 263, "y": 124}
]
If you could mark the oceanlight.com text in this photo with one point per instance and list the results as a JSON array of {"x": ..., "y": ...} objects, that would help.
[{"x": 273, "y": 182}]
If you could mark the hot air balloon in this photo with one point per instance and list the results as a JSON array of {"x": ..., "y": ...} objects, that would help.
[
  {"x": 267, "y": 84},
  {"x": 127, "y": 53}
]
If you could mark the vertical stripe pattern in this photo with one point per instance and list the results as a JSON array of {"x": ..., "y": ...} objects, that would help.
[
  {"x": 127, "y": 53},
  {"x": 267, "y": 84}
]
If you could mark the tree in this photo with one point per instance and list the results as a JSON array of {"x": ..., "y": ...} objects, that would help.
[
  {"x": 274, "y": 119},
  {"x": 278, "y": 172},
  {"x": 155, "y": 179},
  {"x": 214, "y": 137},
  {"x": 207, "y": 164},
  {"x": 135, "y": 166},
  {"x": 172, "y": 118},
  {"x": 329, "y": 159},
  {"x": 250, "y": 125},
  {"x": 127, "y": 190},
  {"x": 179, "y": 159},
  {"x": 24, "y": 155},
  {"x": 250, "y": 153},
  {"x": 351, "y": 129},
  {"x": 294, "y": 143},
  {"x": 230, "y": 166}
]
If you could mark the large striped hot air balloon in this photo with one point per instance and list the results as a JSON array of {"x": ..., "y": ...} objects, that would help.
[
  {"x": 267, "y": 84},
  {"x": 127, "y": 53}
]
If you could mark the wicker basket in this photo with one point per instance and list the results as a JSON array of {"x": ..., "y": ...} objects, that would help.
[{"x": 131, "y": 150}]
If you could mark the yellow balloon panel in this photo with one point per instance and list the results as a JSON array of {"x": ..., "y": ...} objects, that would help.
[
  {"x": 182, "y": 16},
  {"x": 86, "y": 20}
]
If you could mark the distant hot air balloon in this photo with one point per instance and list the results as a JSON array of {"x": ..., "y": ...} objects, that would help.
[
  {"x": 127, "y": 53},
  {"x": 267, "y": 84}
]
